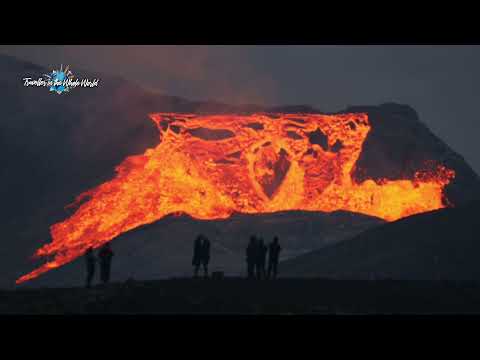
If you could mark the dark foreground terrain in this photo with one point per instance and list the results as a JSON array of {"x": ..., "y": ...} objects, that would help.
[{"x": 240, "y": 296}]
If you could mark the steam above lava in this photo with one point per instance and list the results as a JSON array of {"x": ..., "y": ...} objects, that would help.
[{"x": 210, "y": 166}]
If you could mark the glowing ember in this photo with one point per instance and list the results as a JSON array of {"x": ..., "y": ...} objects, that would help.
[{"x": 211, "y": 166}]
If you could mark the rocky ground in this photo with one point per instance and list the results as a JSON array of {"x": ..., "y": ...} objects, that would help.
[{"x": 240, "y": 296}]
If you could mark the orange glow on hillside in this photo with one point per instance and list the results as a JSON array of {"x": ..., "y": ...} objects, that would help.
[{"x": 210, "y": 166}]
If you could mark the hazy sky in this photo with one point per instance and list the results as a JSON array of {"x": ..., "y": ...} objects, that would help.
[{"x": 440, "y": 82}]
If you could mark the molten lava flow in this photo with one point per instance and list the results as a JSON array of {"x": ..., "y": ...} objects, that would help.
[{"x": 211, "y": 166}]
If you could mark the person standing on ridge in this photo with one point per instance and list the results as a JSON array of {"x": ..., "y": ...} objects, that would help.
[
  {"x": 197, "y": 255},
  {"x": 273, "y": 255},
  {"x": 250, "y": 252},
  {"x": 90, "y": 262},
  {"x": 261, "y": 259},
  {"x": 105, "y": 255},
  {"x": 205, "y": 258}
]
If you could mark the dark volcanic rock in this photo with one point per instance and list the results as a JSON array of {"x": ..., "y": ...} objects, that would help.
[
  {"x": 442, "y": 244},
  {"x": 399, "y": 144},
  {"x": 240, "y": 296}
]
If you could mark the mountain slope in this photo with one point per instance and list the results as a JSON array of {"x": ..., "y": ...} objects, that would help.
[{"x": 442, "y": 244}]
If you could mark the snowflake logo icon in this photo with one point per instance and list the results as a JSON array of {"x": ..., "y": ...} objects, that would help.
[{"x": 59, "y": 79}]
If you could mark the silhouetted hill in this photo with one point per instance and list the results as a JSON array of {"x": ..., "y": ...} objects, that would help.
[{"x": 442, "y": 244}]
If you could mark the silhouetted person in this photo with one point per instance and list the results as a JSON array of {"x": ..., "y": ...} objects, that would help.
[
  {"x": 273, "y": 255},
  {"x": 90, "y": 262},
  {"x": 261, "y": 259},
  {"x": 251, "y": 257},
  {"x": 205, "y": 255},
  {"x": 105, "y": 256},
  {"x": 197, "y": 254}
]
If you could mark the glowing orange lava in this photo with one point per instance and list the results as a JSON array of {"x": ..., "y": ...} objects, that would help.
[{"x": 211, "y": 166}]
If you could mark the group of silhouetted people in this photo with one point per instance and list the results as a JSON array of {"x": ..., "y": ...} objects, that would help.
[
  {"x": 257, "y": 257},
  {"x": 256, "y": 253},
  {"x": 105, "y": 255}
]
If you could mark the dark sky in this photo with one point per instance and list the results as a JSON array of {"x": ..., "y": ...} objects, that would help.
[{"x": 441, "y": 82}]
